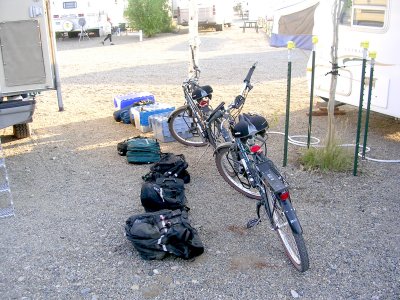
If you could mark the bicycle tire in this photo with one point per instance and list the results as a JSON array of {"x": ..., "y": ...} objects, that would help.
[
  {"x": 293, "y": 243},
  {"x": 183, "y": 129},
  {"x": 230, "y": 170}
]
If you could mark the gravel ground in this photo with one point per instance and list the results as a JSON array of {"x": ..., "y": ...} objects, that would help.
[{"x": 73, "y": 193}]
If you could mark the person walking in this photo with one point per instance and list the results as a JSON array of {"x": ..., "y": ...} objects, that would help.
[{"x": 107, "y": 30}]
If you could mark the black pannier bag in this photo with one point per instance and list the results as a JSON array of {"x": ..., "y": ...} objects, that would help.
[
  {"x": 169, "y": 165},
  {"x": 155, "y": 235},
  {"x": 165, "y": 193}
]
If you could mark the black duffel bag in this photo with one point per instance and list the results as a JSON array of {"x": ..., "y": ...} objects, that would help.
[
  {"x": 155, "y": 235},
  {"x": 169, "y": 165},
  {"x": 165, "y": 193}
]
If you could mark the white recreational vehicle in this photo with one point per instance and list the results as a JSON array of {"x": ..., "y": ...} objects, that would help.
[
  {"x": 376, "y": 21},
  {"x": 72, "y": 16},
  {"x": 211, "y": 13},
  {"x": 27, "y": 61}
]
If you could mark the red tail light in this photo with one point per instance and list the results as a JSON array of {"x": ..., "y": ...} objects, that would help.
[
  {"x": 284, "y": 196},
  {"x": 203, "y": 103},
  {"x": 255, "y": 149},
  {"x": 213, "y": 10}
]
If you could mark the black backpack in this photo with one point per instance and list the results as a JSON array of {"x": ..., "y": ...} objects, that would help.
[
  {"x": 155, "y": 235},
  {"x": 165, "y": 193},
  {"x": 169, "y": 165}
]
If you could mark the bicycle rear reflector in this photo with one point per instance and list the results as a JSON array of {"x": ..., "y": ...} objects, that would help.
[
  {"x": 255, "y": 149},
  {"x": 284, "y": 196},
  {"x": 203, "y": 103}
]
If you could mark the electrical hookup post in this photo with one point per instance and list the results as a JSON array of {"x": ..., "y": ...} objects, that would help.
[
  {"x": 194, "y": 40},
  {"x": 365, "y": 46},
  {"x": 290, "y": 46},
  {"x": 314, "y": 42}
]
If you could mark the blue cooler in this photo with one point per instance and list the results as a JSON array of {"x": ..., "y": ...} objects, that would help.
[
  {"x": 121, "y": 101},
  {"x": 141, "y": 114}
]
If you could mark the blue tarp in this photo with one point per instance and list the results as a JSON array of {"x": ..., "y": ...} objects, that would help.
[{"x": 302, "y": 41}]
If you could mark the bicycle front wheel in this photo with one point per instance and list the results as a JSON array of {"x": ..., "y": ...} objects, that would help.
[
  {"x": 295, "y": 247},
  {"x": 232, "y": 171},
  {"x": 183, "y": 127}
]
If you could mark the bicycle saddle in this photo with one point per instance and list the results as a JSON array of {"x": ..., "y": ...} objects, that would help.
[
  {"x": 248, "y": 125},
  {"x": 203, "y": 91}
]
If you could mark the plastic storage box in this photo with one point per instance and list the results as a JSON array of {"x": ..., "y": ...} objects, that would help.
[
  {"x": 121, "y": 101},
  {"x": 141, "y": 114},
  {"x": 159, "y": 125}
]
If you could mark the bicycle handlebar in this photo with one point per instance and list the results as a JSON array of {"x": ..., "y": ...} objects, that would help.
[
  {"x": 250, "y": 73},
  {"x": 214, "y": 114},
  {"x": 195, "y": 67}
]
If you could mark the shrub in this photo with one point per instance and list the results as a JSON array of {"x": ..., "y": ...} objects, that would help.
[
  {"x": 334, "y": 158},
  {"x": 151, "y": 16}
]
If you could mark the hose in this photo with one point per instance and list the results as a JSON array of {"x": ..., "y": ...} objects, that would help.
[{"x": 315, "y": 142}]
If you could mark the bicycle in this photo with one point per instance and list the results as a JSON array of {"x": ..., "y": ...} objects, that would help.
[
  {"x": 260, "y": 179},
  {"x": 195, "y": 123},
  {"x": 240, "y": 161}
]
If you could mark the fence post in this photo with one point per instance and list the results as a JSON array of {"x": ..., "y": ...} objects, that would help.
[
  {"x": 314, "y": 41},
  {"x": 372, "y": 55},
  {"x": 365, "y": 46},
  {"x": 290, "y": 46}
]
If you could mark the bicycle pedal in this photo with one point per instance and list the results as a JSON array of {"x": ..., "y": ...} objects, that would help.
[{"x": 253, "y": 222}]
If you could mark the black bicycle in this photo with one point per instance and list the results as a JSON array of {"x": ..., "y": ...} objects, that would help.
[
  {"x": 244, "y": 165},
  {"x": 196, "y": 123}
]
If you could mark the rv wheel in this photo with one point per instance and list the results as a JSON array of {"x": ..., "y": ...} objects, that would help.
[{"x": 21, "y": 131}]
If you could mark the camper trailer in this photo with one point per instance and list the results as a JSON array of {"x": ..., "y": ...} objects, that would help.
[
  {"x": 211, "y": 13},
  {"x": 71, "y": 17},
  {"x": 375, "y": 21},
  {"x": 27, "y": 59}
]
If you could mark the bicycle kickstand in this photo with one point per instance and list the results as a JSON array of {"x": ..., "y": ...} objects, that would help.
[{"x": 253, "y": 222}]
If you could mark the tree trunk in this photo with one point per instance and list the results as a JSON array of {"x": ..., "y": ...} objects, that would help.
[
  {"x": 334, "y": 74},
  {"x": 194, "y": 40}
]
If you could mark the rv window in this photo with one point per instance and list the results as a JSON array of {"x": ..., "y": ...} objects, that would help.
[
  {"x": 369, "y": 13},
  {"x": 69, "y": 5},
  {"x": 368, "y": 17}
]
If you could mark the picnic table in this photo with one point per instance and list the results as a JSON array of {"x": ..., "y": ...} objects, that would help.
[{"x": 250, "y": 24}]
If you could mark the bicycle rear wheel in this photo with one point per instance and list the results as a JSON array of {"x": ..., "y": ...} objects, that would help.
[
  {"x": 183, "y": 127},
  {"x": 293, "y": 243},
  {"x": 232, "y": 171}
]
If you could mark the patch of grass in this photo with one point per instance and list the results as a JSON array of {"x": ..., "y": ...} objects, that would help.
[{"x": 334, "y": 158}]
